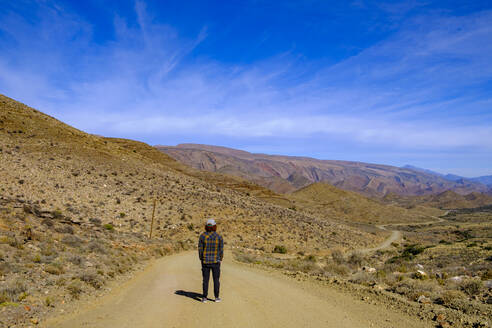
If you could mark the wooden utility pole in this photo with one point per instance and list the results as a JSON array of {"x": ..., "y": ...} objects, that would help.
[{"x": 153, "y": 214}]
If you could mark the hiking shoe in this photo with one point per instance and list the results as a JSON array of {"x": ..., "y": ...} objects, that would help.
[
  {"x": 217, "y": 300},
  {"x": 204, "y": 300}
]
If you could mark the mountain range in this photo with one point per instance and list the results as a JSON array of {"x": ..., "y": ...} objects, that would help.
[
  {"x": 486, "y": 179},
  {"x": 286, "y": 174}
]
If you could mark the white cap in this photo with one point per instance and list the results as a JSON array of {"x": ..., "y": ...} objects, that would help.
[{"x": 210, "y": 222}]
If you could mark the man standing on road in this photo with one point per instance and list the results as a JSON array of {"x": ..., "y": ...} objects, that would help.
[{"x": 211, "y": 252}]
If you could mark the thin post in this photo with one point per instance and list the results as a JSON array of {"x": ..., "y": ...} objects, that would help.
[{"x": 153, "y": 214}]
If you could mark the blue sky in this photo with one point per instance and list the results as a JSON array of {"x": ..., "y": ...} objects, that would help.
[{"x": 386, "y": 82}]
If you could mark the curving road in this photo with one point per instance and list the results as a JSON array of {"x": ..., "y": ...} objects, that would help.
[{"x": 396, "y": 234}]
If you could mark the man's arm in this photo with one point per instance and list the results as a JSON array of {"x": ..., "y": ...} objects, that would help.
[
  {"x": 221, "y": 248},
  {"x": 200, "y": 248}
]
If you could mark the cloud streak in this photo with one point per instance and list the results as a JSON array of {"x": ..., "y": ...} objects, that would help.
[{"x": 425, "y": 87}]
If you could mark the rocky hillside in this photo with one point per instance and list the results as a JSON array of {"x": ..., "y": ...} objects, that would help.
[
  {"x": 445, "y": 200},
  {"x": 285, "y": 174},
  {"x": 75, "y": 212},
  {"x": 325, "y": 200}
]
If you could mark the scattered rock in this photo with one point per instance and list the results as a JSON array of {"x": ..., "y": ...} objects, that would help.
[
  {"x": 76, "y": 220},
  {"x": 456, "y": 279},
  {"x": 368, "y": 269},
  {"x": 95, "y": 221},
  {"x": 423, "y": 299}
]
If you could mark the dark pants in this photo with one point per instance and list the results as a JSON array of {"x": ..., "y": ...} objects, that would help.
[{"x": 215, "y": 267}]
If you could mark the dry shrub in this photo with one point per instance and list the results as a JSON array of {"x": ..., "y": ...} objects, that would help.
[
  {"x": 307, "y": 266},
  {"x": 91, "y": 279},
  {"x": 64, "y": 229},
  {"x": 245, "y": 258},
  {"x": 76, "y": 259},
  {"x": 54, "y": 268},
  {"x": 75, "y": 289},
  {"x": 487, "y": 275},
  {"x": 47, "y": 249},
  {"x": 337, "y": 256},
  {"x": 363, "y": 278},
  {"x": 356, "y": 259},
  {"x": 472, "y": 287},
  {"x": 414, "y": 288},
  {"x": 13, "y": 291},
  {"x": 333, "y": 268},
  {"x": 96, "y": 246},
  {"x": 450, "y": 297},
  {"x": 72, "y": 241}
]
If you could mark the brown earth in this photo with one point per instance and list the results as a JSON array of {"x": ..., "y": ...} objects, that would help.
[
  {"x": 74, "y": 204},
  {"x": 326, "y": 200},
  {"x": 76, "y": 209},
  {"x": 166, "y": 295},
  {"x": 445, "y": 200}
]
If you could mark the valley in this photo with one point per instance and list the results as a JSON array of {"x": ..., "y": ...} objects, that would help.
[{"x": 76, "y": 212}]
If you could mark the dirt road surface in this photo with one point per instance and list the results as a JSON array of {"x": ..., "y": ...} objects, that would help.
[
  {"x": 396, "y": 234},
  {"x": 166, "y": 294}
]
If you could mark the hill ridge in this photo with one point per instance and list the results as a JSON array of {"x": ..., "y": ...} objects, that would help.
[{"x": 286, "y": 174}]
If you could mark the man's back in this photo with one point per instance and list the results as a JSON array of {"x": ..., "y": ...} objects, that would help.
[{"x": 210, "y": 247}]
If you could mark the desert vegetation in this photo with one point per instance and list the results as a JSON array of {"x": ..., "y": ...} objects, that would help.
[
  {"x": 76, "y": 210},
  {"x": 443, "y": 267}
]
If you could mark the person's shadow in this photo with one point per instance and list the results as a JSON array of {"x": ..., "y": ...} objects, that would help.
[{"x": 192, "y": 295}]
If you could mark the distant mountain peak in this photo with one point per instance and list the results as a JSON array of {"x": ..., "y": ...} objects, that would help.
[{"x": 288, "y": 173}]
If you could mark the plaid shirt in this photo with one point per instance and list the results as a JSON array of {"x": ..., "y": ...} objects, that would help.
[{"x": 210, "y": 247}]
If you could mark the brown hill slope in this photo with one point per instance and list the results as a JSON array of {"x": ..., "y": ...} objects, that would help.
[
  {"x": 286, "y": 174},
  {"x": 44, "y": 159},
  {"x": 444, "y": 200},
  {"x": 75, "y": 211},
  {"x": 325, "y": 200}
]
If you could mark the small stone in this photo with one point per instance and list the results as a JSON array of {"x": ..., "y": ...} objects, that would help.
[
  {"x": 440, "y": 317},
  {"x": 456, "y": 279},
  {"x": 368, "y": 269},
  {"x": 420, "y": 274},
  {"x": 34, "y": 321},
  {"x": 423, "y": 299}
]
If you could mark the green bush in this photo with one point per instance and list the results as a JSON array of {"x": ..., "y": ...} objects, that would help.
[
  {"x": 280, "y": 249},
  {"x": 310, "y": 258},
  {"x": 408, "y": 254},
  {"x": 108, "y": 226}
]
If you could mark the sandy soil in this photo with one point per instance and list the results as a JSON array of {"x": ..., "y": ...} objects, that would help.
[{"x": 166, "y": 294}]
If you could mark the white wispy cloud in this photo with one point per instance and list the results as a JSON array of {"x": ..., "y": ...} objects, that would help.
[{"x": 418, "y": 89}]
